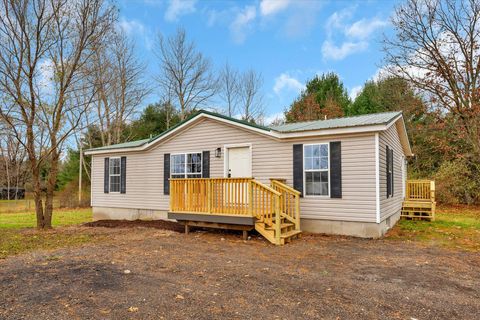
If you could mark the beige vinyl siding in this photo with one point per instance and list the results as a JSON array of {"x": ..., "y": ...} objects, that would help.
[
  {"x": 392, "y": 205},
  {"x": 270, "y": 158}
]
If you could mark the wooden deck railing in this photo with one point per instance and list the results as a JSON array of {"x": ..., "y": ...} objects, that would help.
[
  {"x": 203, "y": 195},
  {"x": 231, "y": 196},
  {"x": 420, "y": 190},
  {"x": 289, "y": 202}
]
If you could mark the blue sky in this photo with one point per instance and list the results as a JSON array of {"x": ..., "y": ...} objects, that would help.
[{"x": 287, "y": 41}]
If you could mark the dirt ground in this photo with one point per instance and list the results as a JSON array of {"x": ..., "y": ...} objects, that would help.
[{"x": 159, "y": 273}]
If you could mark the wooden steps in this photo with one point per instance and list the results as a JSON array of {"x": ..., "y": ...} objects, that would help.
[
  {"x": 418, "y": 210},
  {"x": 282, "y": 226},
  {"x": 287, "y": 231}
]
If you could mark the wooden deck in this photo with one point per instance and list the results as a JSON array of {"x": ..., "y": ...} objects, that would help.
[
  {"x": 419, "y": 200},
  {"x": 230, "y": 202}
]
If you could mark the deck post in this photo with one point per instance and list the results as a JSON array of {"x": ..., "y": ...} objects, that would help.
[
  {"x": 245, "y": 234},
  {"x": 297, "y": 212},
  {"x": 432, "y": 198},
  {"x": 277, "y": 220},
  {"x": 187, "y": 227},
  {"x": 250, "y": 197},
  {"x": 209, "y": 196}
]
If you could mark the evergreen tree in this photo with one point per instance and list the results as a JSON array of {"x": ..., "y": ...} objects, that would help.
[{"x": 324, "y": 96}]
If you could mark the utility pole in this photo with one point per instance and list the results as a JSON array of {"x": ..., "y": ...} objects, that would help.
[{"x": 80, "y": 175}]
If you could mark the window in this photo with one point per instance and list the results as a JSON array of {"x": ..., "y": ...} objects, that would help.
[
  {"x": 186, "y": 165},
  {"x": 114, "y": 173},
  {"x": 390, "y": 178},
  {"x": 316, "y": 169}
]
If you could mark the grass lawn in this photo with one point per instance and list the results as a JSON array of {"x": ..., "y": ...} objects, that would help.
[
  {"x": 61, "y": 217},
  {"x": 18, "y": 233},
  {"x": 454, "y": 227}
]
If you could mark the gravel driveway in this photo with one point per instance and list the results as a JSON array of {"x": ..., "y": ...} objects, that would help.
[{"x": 145, "y": 273}]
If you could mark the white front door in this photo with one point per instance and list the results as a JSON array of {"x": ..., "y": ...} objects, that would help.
[{"x": 239, "y": 162}]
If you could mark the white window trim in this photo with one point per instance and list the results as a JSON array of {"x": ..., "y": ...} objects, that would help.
[
  {"x": 226, "y": 148},
  {"x": 320, "y": 170},
  {"x": 186, "y": 173},
  {"x": 110, "y": 175}
]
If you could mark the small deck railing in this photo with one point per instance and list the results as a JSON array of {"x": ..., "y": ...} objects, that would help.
[
  {"x": 420, "y": 190},
  {"x": 290, "y": 202},
  {"x": 233, "y": 196},
  {"x": 419, "y": 200}
]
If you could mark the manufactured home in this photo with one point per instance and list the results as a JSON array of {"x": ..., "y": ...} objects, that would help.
[{"x": 337, "y": 176}]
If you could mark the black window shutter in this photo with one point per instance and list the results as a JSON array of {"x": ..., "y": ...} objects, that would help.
[
  {"x": 335, "y": 169},
  {"x": 106, "y": 175},
  {"x": 123, "y": 174},
  {"x": 298, "y": 168},
  {"x": 388, "y": 172},
  {"x": 206, "y": 164},
  {"x": 392, "y": 166},
  {"x": 166, "y": 173}
]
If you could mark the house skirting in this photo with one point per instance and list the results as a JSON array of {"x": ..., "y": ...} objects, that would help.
[
  {"x": 107, "y": 213},
  {"x": 348, "y": 228}
]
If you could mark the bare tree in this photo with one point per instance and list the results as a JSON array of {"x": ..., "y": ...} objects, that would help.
[
  {"x": 120, "y": 85},
  {"x": 251, "y": 97},
  {"x": 228, "y": 84},
  {"x": 13, "y": 155},
  {"x": 58, "y": 35},
  {"x": 185, "y": 72},
  {"x": 436, "y": 47}
]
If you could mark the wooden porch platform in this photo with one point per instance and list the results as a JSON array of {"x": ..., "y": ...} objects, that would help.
[
  {"x": 419, "y": 201},
  {"x": 237, "y": 203}
]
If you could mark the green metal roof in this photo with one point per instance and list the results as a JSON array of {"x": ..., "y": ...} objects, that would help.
[
  {"x": 363, "y": 120},
  {"x": 139, "y": 143},
  {"x": 355, "y": 121},
  {"x": 130, "y": 144}
]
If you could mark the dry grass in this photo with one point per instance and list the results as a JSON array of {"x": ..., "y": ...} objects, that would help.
[
  {"x": 454, "y": 227},
  {"x": 18, "y": 233}
]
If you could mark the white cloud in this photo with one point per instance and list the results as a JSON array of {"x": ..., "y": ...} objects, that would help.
[
  {"x": 242, "y": 23},
  {"x": 338, "y": 18},
  {"x": 363, "y": 28},
  {"x": 286, "y": 82},
  {"x": 331, "y": 51},
  {"x": 355, "y": 91},
  {"x": 279, "y": 116},
  {"x": 355, "y": 35},
  {"x": 134, "y": 28},
  {"x": 177, "y": 8},
  {"x": 270, "y": 7},
  {"x": 131, "y": 27}
]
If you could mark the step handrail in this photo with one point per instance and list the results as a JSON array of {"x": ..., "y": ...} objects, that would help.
[
  {"x": 266, "y": 216},
  {"x": 289, "y": 202}
]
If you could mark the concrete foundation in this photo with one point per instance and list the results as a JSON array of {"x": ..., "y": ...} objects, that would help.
[
  {"x": 350, "y": 228},
  {"x": 347, "y": 228},
  {"x": 104, "y": 213}
]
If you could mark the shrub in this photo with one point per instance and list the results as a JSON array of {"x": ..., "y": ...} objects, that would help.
[
  {"x": 457, "y": 182},
  {"x": 68, "y": 196}
]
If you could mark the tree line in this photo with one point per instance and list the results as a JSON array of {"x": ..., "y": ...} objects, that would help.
[{"x": 69, "y": 77}]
